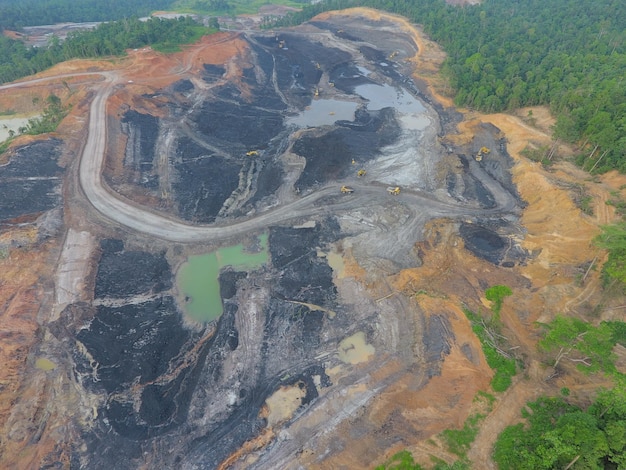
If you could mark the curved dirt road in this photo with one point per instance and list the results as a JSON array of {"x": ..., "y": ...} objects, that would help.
[
  {"x": 125, "y": 213},
  {"x": 144, "y": 221}
]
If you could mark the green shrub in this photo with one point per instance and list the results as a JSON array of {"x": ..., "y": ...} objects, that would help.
[
  {"x": 496, "y": 294},
  {"x": 505, "y": 367},
  {"x": 401, "y": 461},
  {"x": 460, "y": 440}
]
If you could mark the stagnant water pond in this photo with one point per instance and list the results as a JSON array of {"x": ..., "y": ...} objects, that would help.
[
  {"x": 197, "y": 278},
  {"x": 411, "y": 111}
]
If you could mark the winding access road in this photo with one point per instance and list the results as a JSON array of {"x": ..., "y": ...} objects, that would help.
[{"x": 125, "y": 213}]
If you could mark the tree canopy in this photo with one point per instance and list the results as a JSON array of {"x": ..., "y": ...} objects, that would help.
[
  {"x": 613, "y": 239},
  {"x": 559, "y": 435},
  {"x": 15, "y": 14},
  {"x": 506, "y": 54},
  {"x": 17, "y": 60}
]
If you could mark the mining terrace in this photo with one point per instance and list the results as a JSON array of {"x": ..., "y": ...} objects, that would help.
[{"x": 347, "y": 341}]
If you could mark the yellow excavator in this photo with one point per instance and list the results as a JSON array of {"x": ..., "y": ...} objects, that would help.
[
  {"x": 361, "y": 172},
  {"x": 252, "y": 153},
  {"x": 483, "y": 152},
  {"x": 393, "y": 190},
  {"x": 346, "y": 190}
]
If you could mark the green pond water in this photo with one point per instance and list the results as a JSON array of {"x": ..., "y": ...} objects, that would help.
[{"x": 197, "y": 278}]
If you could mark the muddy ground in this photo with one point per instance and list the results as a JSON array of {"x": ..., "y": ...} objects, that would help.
[{"x": 350, "y": 343}]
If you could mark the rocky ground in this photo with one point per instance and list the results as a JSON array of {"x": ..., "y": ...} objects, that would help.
[{"x": 350, "y": 343}]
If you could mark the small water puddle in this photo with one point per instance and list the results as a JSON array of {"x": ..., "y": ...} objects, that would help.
[
  {"x": 11, "y": 124},
  {"x": 197, "y": 278},
  {"x": 412, "y": 111},
  {"x": 324, "y": 113},
  {"x": 355, "y": 349}
]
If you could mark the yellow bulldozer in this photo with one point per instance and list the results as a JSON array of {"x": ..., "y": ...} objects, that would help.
[
  {"x": 361, "y": 172},
  {"x": 393, "y": 190},
  {"x": 346, "y": 190}
]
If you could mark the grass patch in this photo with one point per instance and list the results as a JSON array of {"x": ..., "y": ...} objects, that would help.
[
  {"x": 619, "y": 204},
  {"x": 403, "y": 460},
  {"x": 496, "y": 295},
  {"x": 537, "y": 154},
  {"x": 443, "y": 465},
  {"x": 487, "y": 398},
  {"x": 460, "y": 440},
  {"x": 582, "y": 199},
  {"x": 5, "y": 145}
]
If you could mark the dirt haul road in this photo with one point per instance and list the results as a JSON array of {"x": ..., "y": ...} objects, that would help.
[{"x": 136, "y": 218}]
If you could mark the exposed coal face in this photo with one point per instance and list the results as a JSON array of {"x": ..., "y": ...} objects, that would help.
[
  {"x": 204, "y": 181},
  {"x": 347, "y": 77},
  {"x": 163, "y": 405},
  {"x": 437, "y": 341},
  {"x": 372, "y": 54},
  {"x": 325, "y": 26},
  {"x": 140, "y": 348},
  {"x": 290, "y": 337},
  {"x": 473, "y": 188},
  {"x": 125, "y": 273},
  {"x": 304, "y": 276},
  {"x": 142, "y": 131},
  {"x": 499, "y": 163},
  {"x": 269, "y": 179},
  {"x": 213, "y": 71},
  {"x": 234, "y": 122},
  {"x": 30, "y": 183},
  {"x": 182, "y": 86},
  {"x": 483, "y": 242},
  {"x": 134, "y": 341},
  {"x": 228, "y": 282},
  {"x": 329, "y": 156},
  {"x": 299, "y": 65}
]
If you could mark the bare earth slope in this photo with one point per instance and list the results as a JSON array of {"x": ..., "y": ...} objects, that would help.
[{"x": 350, "y": 342}]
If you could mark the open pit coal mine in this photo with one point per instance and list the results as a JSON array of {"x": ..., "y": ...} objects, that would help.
[{"x": 300, "y": 342}]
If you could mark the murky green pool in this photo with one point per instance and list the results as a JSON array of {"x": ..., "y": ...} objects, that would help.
[{"x": 197, "y": 278}]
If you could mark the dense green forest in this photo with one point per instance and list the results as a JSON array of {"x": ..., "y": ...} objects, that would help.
[
  {"x": 506, "y": 54},
  {"x": 560, "y": 435},
  {"x": 15, "y": 14},
  {"x": 502, "y": 55},
  {"x": 17, "y": 60},
  {"x": 232, "y": 7}
]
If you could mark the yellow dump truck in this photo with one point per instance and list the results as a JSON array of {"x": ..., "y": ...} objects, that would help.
[
  {"x": 346, "y": 190},
  {"x": 393, "y": 190}
]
